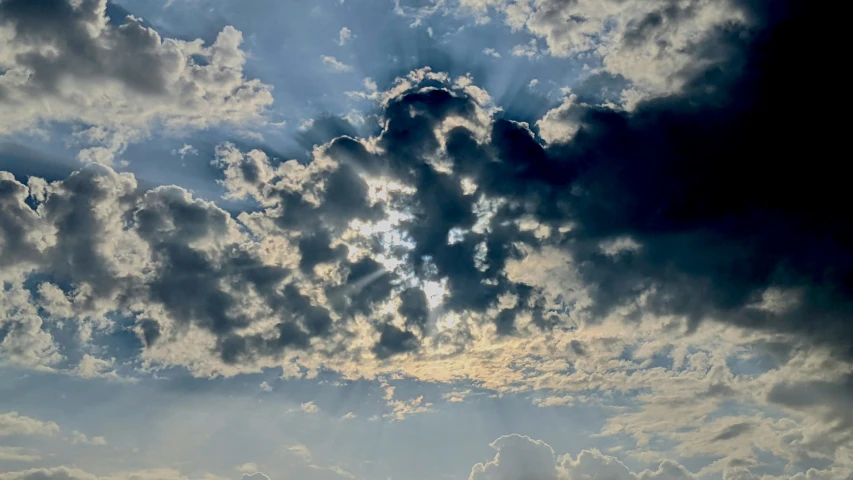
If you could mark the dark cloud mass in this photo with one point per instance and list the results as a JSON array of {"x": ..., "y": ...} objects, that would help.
[{"x": 721, "y": 202}]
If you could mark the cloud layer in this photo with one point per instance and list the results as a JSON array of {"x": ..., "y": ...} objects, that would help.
[
  {"x": 643, "y": 250},
  {"x": 66, "y": 61}
]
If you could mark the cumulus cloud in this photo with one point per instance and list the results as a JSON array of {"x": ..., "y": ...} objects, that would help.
[
  {"x": 17, "y": 454},
  {"x": 394, "y": 237},
  {"x": 12, "y": 423},
  {"x": 66, "y": 61},
  {"x": 344, "y": 36},
  {"x": 309, "y": 407},
  {"x": 455, "y": 229},
  {"x": 78, "y": 437}
]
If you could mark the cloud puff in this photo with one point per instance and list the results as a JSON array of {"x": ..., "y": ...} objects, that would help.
[
  {"x": 66, "y": 61},
  {"x": 335, "y": 64},
  {"x": 12, "y": 423}
]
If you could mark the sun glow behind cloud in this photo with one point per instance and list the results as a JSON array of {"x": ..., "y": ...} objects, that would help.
[{"x": 418, "y": 236}]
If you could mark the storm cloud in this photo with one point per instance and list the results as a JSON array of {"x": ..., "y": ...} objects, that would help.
[{"x": 681, "y": 207}]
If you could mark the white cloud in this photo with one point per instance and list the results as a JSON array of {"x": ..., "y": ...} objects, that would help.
[
  {"x": 252, "y": 265},
  {"x": 80, "y": 438},
  {"x": 71, "y": 473},
  {"x": 185, "y": 151},
  {"x": 520, "y": 456},
  {"x": 93, "y": 367},
  {"x": 528, "y": 50},
  {"x": 309, "y": 407},
  {"x": 561, "y": 123},
  {"x": 335, "y": 64},
  {"x": 648, "y": 42},
  {"x": 18, "y": 454},
  {"x": 12, "y": 423},
  {"x": 344, "y": 36}
]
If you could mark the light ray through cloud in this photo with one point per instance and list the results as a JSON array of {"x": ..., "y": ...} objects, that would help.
[{"x": 422, "y": 239}]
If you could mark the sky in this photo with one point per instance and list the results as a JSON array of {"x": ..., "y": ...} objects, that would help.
[{"x": 423, "y": 240}]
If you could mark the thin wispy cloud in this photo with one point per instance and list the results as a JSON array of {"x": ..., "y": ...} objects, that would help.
[{"x": 335, "y": 64}]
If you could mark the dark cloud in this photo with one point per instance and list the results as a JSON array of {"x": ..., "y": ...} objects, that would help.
[
  {"x": 831, "y": 397},
  {"x": 323, "y": 129},
  {"x": 17, "y": 222},
  {"x": 733, "y": 431},
  {"x": 696, "y": 179},
  {"x": 66, "y": 27},
  {"x": 393, "y": 340},
  {"x": 686, "y": 200}
]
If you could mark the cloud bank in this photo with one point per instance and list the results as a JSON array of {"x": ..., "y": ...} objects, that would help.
[{"x": 117, "y": 79}]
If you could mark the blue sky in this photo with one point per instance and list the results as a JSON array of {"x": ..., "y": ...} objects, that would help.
[{"x": 433, "y": 239}]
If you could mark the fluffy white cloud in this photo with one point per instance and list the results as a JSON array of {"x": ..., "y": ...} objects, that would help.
[
  {"x": 78, "y": 437},
  {"x": 309, "y": 407},
  {"x": 12, "y": 423},
  {"x": 344, "y": 36},
  {"x": 518, "y": 457},
  {"x": 561, "y": 123}
]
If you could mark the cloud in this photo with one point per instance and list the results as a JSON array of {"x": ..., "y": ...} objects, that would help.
[
  {"x": 17, "y": 454},
  {"x": 92, "y": 367},
  {"x": 335, "y": 64},
  {"x": 528, "y": 50},
  {"x": 78, "y": 437},
  {"x": 517, "y": 457},
  {"x": 654, "y": 45},
  {"x": 65, "y": 61},
  {"x": 309, "y": 407},
  {"x": 491, "y": 52},
  {"x": 521, "y": 457},
  {"x": 12, "y": 423},
  {"x": 69, "y": 473},
  {"x": 344, "y": 36},
  {"x": 185, "y": 150}
]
